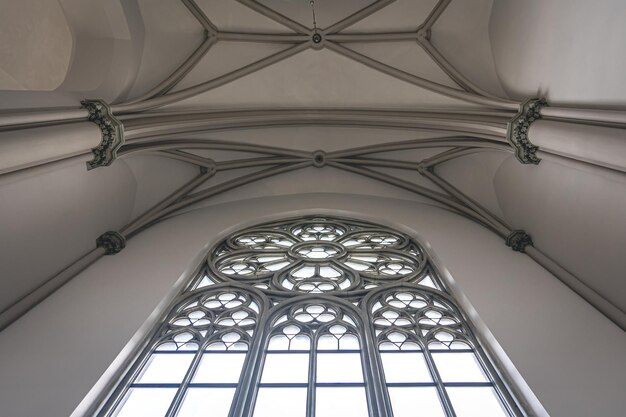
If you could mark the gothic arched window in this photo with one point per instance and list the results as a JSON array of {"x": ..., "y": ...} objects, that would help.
[{"x": 314, "y": 317}]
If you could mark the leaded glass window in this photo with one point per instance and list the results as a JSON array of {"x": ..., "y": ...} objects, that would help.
[{"x": 314, "y": 317}]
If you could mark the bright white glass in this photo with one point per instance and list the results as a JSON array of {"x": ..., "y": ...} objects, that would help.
[
  {"x": 146, "y": 402},
  {"x": 459, "y": 367},
  {"x": 205, "y": 282},
  {"x": 475, "y": 402},
  {"x": 328, "y": 342},
  {"x": 286, "y": 367},
  {"x": 280, "y": 402},
  {"x": 405, "y": 367},
  {"x": 300, "y": 342},
  {"x": 278, "y": 342},
  {"x": 219, "y": 367},
  {"x": 348, "y": 342},
  {"x": 166, "y": 368},
  {"x": 427, "y": 281},
  {"x": 276, "y": 266},
  {"x": 201, "y": 402},
  {"x": 340, "y": 402},
  {"x": 415, "y": 401},
  {"x": 339, "y": 367}
]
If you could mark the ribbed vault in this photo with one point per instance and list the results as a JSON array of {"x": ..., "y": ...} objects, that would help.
[{"x": 275, "y": 48}]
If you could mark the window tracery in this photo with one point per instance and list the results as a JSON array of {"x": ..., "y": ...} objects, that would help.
[
  {"x": 319, "y": 256},
  {"x": 314, "y": 317}
]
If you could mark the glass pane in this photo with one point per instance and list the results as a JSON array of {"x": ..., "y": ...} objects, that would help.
[
  {"x": 459, "y": 367},
  {"x": 328, "y": 342},
  {"x": 475, "y": 402},
  {"x": 278, "y": 342},
  {"x": 427, "y": 281},
  {"x": 405, "y": 367},
  {"x": 202, "y": 402},
  {"x": 220, "y": 367},
  {"x": 344, "y": 402},
  {"x": 286, "y": 367},
  {"x": 300, "y": 342},
  {"x": 412, "y": 401},
  {"x": 146, "y": 402},
  {"x": 204, "y": 282},
  {"x": 280, "y": 402},
  {"x": 165, "y": 368},
  {"x": 348, "y": 342},
  {"x": 339, "y": 367}
]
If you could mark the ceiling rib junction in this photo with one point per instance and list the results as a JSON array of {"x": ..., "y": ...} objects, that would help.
[{"x": 303, "y": 40}]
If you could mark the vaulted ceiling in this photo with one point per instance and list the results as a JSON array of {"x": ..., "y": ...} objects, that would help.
[{"x": 225, "y": 100}]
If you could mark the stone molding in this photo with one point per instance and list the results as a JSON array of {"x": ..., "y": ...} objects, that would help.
[
  {"x": 112, "y": 133},
  {"x": 519, "y": 127}
]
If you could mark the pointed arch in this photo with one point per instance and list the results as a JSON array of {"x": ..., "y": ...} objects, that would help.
[{"x": 314, "y": 316}]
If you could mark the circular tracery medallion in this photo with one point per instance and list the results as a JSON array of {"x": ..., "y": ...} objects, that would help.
[{"x": 318, "y": 255}]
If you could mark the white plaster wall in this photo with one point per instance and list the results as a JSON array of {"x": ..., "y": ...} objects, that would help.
[
  {"x": 569, "y": 354},
  {"x": 48, "y": 221},
  {"x": 474, "y": 174},
  {"x": 575, "y": 216},
  {"x": 569, "y": 51},
  {"x": 462, "y": 36},
  {"x": 156, "y": 177}
]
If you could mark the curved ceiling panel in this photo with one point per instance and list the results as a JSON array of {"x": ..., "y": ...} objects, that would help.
[
  {"x": 398, "y": 16},
  {"x": 171, "y": 34},
  {"x": 407, "y": 56},
  {"x": 461, "y": 35},
  {"x": 230, "y": 15},
  {"x": 569, "y": 51},
  {"x": 224, "y": 57},
  {"x": 327, "y": 12},
  {"x": 318, "y": 79},
  {"x": 39, "y": 27}
]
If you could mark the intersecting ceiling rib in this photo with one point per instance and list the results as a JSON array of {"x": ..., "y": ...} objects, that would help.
[
  {"x": 310, "y": 77},
  {"x": 239, "y": 90}
]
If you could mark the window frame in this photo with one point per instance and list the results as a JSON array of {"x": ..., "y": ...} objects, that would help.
[{"x": 377, "y": 394}]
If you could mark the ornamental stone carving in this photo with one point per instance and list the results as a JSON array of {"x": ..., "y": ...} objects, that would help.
[
  {"x": 112, "y": 133},
  {"x": 518, "y": 240},
  {"x": 113, "y": 242},
  {"x": 518, "y": 128}
]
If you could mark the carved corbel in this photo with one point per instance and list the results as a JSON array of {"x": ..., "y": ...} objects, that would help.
[
  {"x": 518, "y": 128},
  {"x": 112, "y": 133}
]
